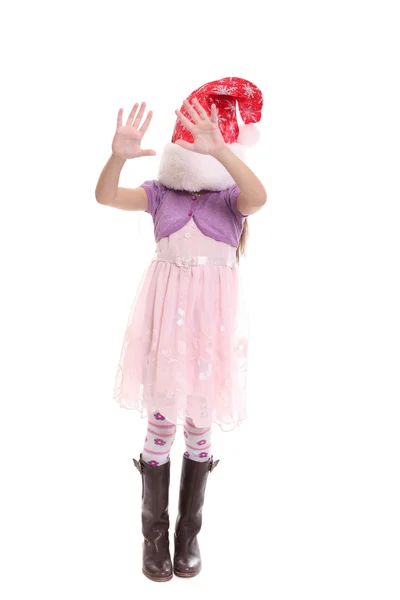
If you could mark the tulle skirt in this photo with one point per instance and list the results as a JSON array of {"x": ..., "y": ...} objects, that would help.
[{"x": 184, "y": 352}]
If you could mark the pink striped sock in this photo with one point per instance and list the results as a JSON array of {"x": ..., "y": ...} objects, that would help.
[
  {"x": 159, "y": 439},
  {"x": 197, "y": 440}
]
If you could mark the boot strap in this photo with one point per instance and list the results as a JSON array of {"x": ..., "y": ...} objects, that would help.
[
  {"x": 138, "y": 465},
  {"x": 213, "y": 464}
]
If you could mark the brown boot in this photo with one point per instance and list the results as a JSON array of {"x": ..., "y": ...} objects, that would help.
[
  {"x": 157, "y": 564},
  {"x": 187, "y": 559}
]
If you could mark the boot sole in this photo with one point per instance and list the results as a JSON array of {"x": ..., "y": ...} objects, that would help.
[
  {"x": 157, "y": 578},
  {"x": 178, "y": 574}
]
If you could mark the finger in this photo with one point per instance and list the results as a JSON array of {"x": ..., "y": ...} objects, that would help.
[
  {"x": 184, "y": 144},
  {"x": 200, "y": 110},
  {"x": 192, "y": 112},
  {"x": 132, "y": 113},
  {"x": 146, "y": 123},
  {"x": 214, "y": 114},
  {"x": 188, "y": 124},
  {"x": 148, "y": 153},
  {"x": 119, "y": 118},
  {"x": 139, "y": 116}
]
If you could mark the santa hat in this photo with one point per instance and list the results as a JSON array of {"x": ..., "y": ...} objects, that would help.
[{"x": 183, "y": 169}]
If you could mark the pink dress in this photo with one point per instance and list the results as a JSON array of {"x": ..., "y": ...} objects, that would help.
[{"x": 184, "y": 352}]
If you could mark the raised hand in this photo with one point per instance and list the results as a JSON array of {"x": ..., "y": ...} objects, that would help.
[
  {"x": 127, "y": 138},
  {"x": 207, "y": 136}
]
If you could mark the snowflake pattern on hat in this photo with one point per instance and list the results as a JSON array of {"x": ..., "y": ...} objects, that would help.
[{"x": 224, "y": 93}]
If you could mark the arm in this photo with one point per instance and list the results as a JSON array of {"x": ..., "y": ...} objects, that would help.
[
  {"x": 126, "y": 144},
  {"x": 108, "y": 193},
  {"x": 208, "y": 139},
  {"x": 252, "y": 192}
]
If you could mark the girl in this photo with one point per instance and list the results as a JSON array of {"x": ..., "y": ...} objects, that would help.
[{"x": 184, "y": 355}]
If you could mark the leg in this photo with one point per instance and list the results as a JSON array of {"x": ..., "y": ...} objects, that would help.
[
  {"x": 159, "y": 439},
  {"x": 198, "y": 441},
  {"x": 154, "y": 466}
]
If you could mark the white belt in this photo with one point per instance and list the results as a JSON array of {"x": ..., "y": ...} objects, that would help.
[{"x": 186, "y": 262}]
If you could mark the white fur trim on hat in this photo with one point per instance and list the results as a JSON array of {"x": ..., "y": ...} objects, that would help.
[{"x": 182, "y": 169}]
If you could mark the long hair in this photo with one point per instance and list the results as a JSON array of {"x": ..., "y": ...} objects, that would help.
[{"x": 243, "y": 241}]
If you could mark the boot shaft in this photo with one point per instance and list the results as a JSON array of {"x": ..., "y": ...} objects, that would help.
[
  {"x": 155, "y": 496},
  {"x": 193, "y": 484}
]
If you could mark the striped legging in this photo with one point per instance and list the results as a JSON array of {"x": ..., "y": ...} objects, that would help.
[{"x": 160, "y": 437}]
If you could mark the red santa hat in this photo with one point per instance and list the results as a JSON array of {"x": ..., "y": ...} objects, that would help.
[{"x": 187, "y": 170}]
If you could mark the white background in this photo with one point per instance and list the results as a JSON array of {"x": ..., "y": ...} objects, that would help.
[{"x": 305, "y": 501}]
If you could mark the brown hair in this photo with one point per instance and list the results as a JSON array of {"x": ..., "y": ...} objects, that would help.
[{"x": 243, "y": 241}]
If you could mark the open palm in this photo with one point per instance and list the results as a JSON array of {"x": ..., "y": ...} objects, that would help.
[
  {"x": 207, "y": 136},
  {"x": 128, "y": 138}
]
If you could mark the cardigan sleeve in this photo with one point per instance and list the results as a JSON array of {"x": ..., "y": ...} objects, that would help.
[
  {"x": 153, "y": 191},
  {"x": 231, "y": 197}
]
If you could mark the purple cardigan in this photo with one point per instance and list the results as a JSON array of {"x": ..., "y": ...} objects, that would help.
[{"x": 215, "y": 213}]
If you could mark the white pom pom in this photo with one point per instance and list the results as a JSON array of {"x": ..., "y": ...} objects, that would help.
[{"x": 248, "y": 135}]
